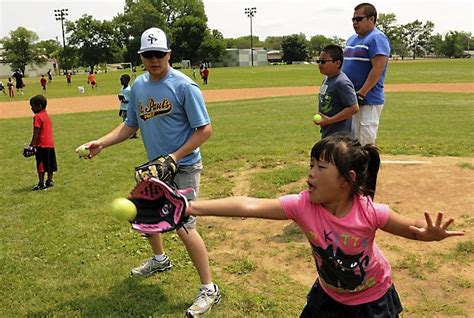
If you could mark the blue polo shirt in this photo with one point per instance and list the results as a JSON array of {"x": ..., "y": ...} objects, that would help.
[{"x": 358, "y": 52}]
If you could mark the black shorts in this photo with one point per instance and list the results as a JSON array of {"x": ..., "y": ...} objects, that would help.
[
  {"x": 322, "y": 305},
  {"x": 46, "y": 160}
]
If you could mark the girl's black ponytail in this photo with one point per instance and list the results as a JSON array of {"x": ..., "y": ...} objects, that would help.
[{"x": 372, "y": 170}]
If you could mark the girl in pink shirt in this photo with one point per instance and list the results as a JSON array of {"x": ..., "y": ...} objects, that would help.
[{"x": 339, "y": 219}]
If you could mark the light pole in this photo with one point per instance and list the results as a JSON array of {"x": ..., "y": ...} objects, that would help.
[
  {"x": 61, "y": 14},
  {"x": 250, "y": 12}
]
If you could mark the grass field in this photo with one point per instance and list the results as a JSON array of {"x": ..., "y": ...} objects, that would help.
[
  {"x": 64, "y": 256},
  {"x": 420, "y": 71}
]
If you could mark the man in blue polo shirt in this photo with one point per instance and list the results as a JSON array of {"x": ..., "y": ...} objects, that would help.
[{"x": 365, "y": 63}]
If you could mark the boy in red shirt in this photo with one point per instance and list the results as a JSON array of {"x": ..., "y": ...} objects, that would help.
[
  {"x": 43, "y": 141},
  {"x": 43, "y": 82},
  {"x": 91, "y": 80}
]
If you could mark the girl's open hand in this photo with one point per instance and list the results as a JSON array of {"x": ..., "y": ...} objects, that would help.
[{"x": 434, "y": 232}]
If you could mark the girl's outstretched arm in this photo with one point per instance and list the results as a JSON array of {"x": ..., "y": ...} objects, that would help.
[
  {"x": 420, "y": 230},
  {"x": 238, "y": 206}
]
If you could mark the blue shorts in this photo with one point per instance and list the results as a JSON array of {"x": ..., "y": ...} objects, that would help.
[{"x": 322, "y": 305}]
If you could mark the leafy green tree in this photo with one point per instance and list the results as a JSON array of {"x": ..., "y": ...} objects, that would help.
[
  {"x": 317, "y": 43},
  {"x": 95, "y": 40},
  {"x": 453, "y": 44},
  {"x": 176, "y": 9},
  {"x": 137, "y": 17},
  {"x": 273, "y": 42},
  {"x": 437, "y": 44},
  {"x": 20, "y": 49},
  {"x": 416, "y": 36},
  {"x": 294, "y": 48},
  {"x": 386, "y": 22},
  {"x": 212, "y": 47},
  {"x": 338, "y": 41},
  {"x": 50, "y": 48},
  {"x": 188, "y": 33},
  {"x": 243, "y": 42},
  {"x": 168, "y": 15}
]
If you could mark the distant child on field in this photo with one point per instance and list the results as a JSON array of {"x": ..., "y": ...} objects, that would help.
[
  {"x": 11, "y": 88},
  {"x": 43, "y": 82},
  {"x": 43, "y": 141},
  {"x": 205, "y": 75},
  {"x": 339, "y": 219},
  {"x": 91, "y": 80},
  {"x": 337, "y": 100},
  {"x": 124, "y": 98},
  {"x": 2, "y": 88},
  {"x": 68, "y": 78}
]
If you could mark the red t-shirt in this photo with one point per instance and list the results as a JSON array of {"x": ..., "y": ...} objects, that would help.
[
  {"x": 43, "y": 81},
  {"x": 43, "y": 122}
]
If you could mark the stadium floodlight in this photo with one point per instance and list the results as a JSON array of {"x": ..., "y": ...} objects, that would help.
[
  {"x": 250, "y": 12},
  {"x": 60, "y": 15}
]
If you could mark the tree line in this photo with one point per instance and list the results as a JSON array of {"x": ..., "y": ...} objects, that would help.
[{"x": 92, "y": 42}]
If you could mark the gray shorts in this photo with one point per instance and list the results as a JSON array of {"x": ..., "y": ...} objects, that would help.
[{"x": 189, "y": 177}]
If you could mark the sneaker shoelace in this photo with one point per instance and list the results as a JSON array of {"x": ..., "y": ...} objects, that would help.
[{"x": 202, "y": 298}]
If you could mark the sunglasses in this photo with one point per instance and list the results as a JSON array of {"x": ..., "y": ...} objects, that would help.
[
  {"x": 157, "y": 54},
  {"x": 358, "y": 19},
  {"x": 323, "y": 61}
]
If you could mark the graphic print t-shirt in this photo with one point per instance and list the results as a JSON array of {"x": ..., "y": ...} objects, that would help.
[
  {"x": 167, "y": 112},
  {"x": 352, "y": 269},
  {"x": 335, "y": 94}
]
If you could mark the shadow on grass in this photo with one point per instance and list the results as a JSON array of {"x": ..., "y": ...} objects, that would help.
[{"x": 130, "y": 298}]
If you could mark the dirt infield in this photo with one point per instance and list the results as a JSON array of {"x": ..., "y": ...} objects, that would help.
[{"x": 109, "y": 102}]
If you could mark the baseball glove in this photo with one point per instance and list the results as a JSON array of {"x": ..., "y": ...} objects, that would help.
[
  {"x": 163, "y": 168},
  {"x": 160, "y": 208},
  {"x": 29, "y": 151}
]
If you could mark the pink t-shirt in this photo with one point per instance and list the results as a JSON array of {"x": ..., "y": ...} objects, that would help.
[{"x": 351, "y": 267}]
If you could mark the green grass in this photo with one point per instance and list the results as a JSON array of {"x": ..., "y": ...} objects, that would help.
[
  {"x": 64, "y": 256},
  {"x": 419, "y": 71}
]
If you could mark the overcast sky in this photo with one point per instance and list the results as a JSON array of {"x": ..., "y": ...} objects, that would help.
[{"x": 273, "y": 17}]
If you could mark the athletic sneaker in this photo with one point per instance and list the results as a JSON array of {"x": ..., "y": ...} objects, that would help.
[
  {"x": 49, "y": 184},
  {"x": 204, "y": 302},
  {"x": 39, "y": 186},
  {"x": 152, "y": 266}
]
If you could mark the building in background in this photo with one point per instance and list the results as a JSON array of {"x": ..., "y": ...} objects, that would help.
[{"x": 242, "y": 57}]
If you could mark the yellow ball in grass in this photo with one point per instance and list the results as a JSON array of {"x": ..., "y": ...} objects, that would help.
[
  {"x": 317, "y": 118},
  {"x": 83, "y": 151},
  {"x": 124, "y": 209}
]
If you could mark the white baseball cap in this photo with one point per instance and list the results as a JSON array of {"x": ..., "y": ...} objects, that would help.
[{"x": 154, "y": 39}]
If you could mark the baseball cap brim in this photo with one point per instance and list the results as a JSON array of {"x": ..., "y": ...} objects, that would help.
[{"x": 159, "y": 49}]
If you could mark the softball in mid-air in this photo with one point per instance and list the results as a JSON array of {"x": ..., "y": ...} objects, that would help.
[
  {"x": 83, "y": 151},
  {"x": 124, "y": 209}
]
